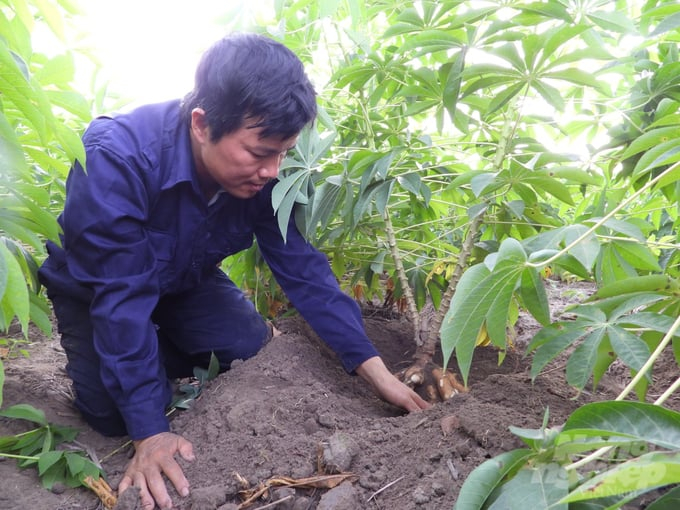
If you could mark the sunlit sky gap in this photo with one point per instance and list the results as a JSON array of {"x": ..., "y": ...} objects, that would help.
[{"x": 148, "y": 49}]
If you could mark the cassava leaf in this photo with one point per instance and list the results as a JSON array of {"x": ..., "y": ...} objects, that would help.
[
  {"x": 479, "y": 485},
  {"x": 640, "y": 420}
]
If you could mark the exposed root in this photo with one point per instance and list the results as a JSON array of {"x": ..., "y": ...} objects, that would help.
[
  {"x": 433, "y": 383},
  {"x": 102, "y": 490},
  {"x": 250, "y": 496}
]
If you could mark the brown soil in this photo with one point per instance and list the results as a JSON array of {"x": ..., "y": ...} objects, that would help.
[{"x": 292, "y": 410}]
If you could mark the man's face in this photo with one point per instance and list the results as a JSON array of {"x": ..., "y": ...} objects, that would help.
[{"x": 240, "y": 163}]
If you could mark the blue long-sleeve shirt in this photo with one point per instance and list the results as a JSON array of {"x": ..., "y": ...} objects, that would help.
[{"x": 136, "y": 227}]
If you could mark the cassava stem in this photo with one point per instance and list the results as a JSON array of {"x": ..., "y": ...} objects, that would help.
[
  {"x": 401, "y": 275},
  {"x": 430, "y": 343}
]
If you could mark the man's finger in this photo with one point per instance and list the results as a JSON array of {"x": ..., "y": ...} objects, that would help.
[
  {"x": 420, "y": 402},
  {"x": 124, "y": 484},
  {"x": 176, "y": 476},
  {"x": 186, "y": 450},
  {"x": 159, "y": 492},
  {"x": 145, "y": 496}
]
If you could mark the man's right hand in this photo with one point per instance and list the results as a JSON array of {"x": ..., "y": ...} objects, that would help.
[{"x": 155, "y": 457}]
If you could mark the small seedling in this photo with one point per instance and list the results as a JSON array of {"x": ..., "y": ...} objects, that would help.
[
  {"x": 190, "y": 392},
  {"x": 48, "y": 447}
]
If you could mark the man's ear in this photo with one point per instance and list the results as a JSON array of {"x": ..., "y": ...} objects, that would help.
[{"x": 199, "y": 125}]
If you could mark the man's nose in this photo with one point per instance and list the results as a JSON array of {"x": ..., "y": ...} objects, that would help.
[{"x": 270, "y": 166}]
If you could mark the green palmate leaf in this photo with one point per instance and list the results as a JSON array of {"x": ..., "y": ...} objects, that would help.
[
  {"x": 47, "y": 459},
  {"x": 637, "y": 255},
  {"x": 12, "y": 160},
  {"x": 470, "y": 308},
  {"x": 575, "y": 76},
  {"x": 612, "y": 20},
  {"x": 650, "y": 139},
  {"x": 383, "y": 194},
  {"x": 365, "y": 199},
  {"x": 587, "y": 250},
  {"x": 638, "y": 420},
  {"x": 549, "y": 10},
  {"x": 666, "y": 78},
  {"x": 430, "y": 41},
  {"x": 487, "y": 476},
  {"x": 629, "y": 348},
  {"x": 572, "y": 265},
  {"x": 662, "y": 154},
  {"x": 624, "y": 227},
  {"x": 549, "y": 342},
  {"x": 326, "y": 198},
  {"x": 70, "y": 143},
  {"x": 576, "y": 175},
  {"x": 542, "y": 486},
  {"x": 40, "y": 313},
  {"x": 19, "y": 92},
  {"x": 647, "y": 283},
  {"x": 669, "y": 501},
  {"x": 534, "y": 297},
  {"x": 76, "y": 462},
  {"x": 483, "y": 182},
  {"x": 25, "y": 412},
  {"x": 648, "y": 471},
  {"x": 650, "y": 320},
  {"x": 581, "y": 363},
  {"x": 503, "y": 97},
  {"x": 311, "y": 147},
  {"x": 667, "y": 24},
  {"x": 284, "y": 195},
  {"x": 510, "y": 253},
  {"x": 453, "y": 83},
  {"x": 497, "y": 316},
  {"x": 605, "y": 357},
  {"x": 550, "y": 94},
  {"x": 15, "y": 298},
  {"x": 410, "y": 182},
  {"x": 550, "y": 185},
  {"x": 510, "y": 53}
]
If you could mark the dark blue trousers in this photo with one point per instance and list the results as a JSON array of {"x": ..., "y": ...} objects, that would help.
[{"x": 213, "y": 318}]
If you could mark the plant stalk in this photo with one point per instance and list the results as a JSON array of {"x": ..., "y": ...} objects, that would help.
[
  {"x": 18, "y": 457},
  {"x": 403, "y": 279},
  {"x": 430, "y": 344}
]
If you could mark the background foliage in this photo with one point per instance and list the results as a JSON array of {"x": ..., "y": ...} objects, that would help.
[{"x": 555, "y": 122}]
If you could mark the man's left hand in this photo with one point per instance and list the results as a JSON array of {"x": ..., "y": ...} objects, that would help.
[{"x": 388, "y": 387}]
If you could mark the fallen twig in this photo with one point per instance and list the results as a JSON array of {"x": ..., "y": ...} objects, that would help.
[
  {"x": 275, "y": 503},
  {"x": 452, "y": 468},
  {"x": 384, "y": 488},
  {"x": 314, "y": 482}
]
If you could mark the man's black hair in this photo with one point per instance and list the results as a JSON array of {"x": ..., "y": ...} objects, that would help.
[{"x": 249, "y": 77}]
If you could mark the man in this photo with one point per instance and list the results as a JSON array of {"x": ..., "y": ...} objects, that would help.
[{"x": 170, "y": 190}]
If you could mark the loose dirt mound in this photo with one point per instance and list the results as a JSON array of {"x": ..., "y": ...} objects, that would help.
[{"x": 291, "y": 412}]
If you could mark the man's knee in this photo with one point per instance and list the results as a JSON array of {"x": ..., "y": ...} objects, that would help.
[{"x": 104, "y": 419}]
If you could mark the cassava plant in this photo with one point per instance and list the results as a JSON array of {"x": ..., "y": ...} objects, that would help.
[
  {"x": 442, "y": 110},
  {"x": 605, "y": 455},
  {"x": 40, "y": 119}
]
